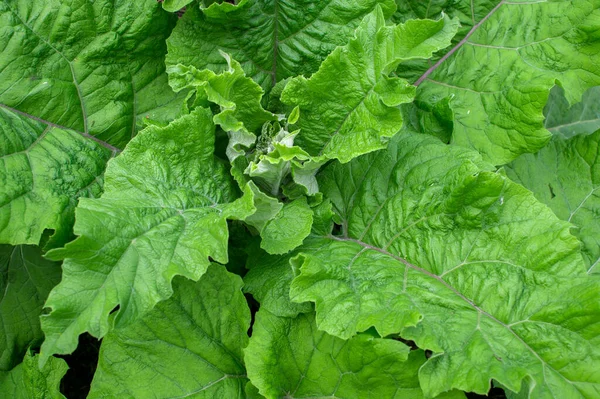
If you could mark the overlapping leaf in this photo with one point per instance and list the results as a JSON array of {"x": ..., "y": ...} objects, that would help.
[
  {"x": 350, "y": 106},
  {"x": 25, "y": 281},
  {"x": 568, "y": 121},
  {"x": 27, "y": 381},
  {"x": 269, "y": 279},
  {"x": 43, "y": 171},
  {"x": 163, "y": 213},
  {"x": 237, "y": 95},
  {"x": 460, "y": 260},
  {"x": 95, "y": 67},
  {"x": 188, "y": 346},
  {"x": 499, "y": 74},
  {"x": 290, "y": 358},
  {"x": 272, "y": 39},
  {"x": 565, "y": 175}
]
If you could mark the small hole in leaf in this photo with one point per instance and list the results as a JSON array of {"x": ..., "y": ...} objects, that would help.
[
  {"x": 253, "y": 305},
  {"x": 337, "y": 229}
]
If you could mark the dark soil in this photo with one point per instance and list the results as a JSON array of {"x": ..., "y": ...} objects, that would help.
[{"x": 82, "y": 366}]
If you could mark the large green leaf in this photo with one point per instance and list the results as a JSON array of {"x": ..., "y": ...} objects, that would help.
[
  {"x": 94, "y": 67},
  {"x": 461, "y": 260},
  {"x": 27, "y": 381},
  {"x": 25, "y": 281},
  {"x": 188, "y": 346},
  {"x": 290, "y": 358},
  {"x": 499, "y": 74},
  {"x": 272, "y": 39},
  {"x": 163, "y": 213},
  {"x": 350, "y": 106},
  {"x": 565, "y": 175},
  {"x": 43, "y": 171},
  {"x": 568, "y": 121}
]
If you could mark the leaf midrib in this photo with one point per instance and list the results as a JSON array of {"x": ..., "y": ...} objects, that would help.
[
  {"x": 459, "y": 45},
  {"x": 104, "y": 144},
  {"x": 69, "y": 62}
]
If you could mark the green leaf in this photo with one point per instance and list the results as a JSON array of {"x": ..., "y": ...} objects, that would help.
[
  {"x": 269, "y": 279},
  {"x": 272, "y": 39},
  {"x": 441, "y": 250},
  {"x": 434, "y": 119},
  {"x": 349, "y": 107},
  {"x": 25, "y": 281},
  {"x": 290, "y": 358},
  {"x": 189, "y": 345},
  {"x": 569, "y": 121},
  {"x": 238, "y": 96},
  {"x": 565, "y": 175},
  {"x": 27, "y": 381},
  {"x": 94, "y": 67},
  {"x": 175, "y": 5},
  {"x": 288, "y": 228},
  {"x": 266, "y": 208},
  {"x": 163, "y": 213},
  {"x": 44, "y": 170},
  {"x": 499, "y": 74}
]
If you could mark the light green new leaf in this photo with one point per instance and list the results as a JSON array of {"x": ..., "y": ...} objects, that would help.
[
  {"x": 187, "y": 346},
  {"x": 163, "y": 213},
  {"x": 569, "y": 121},
  {"x": 25, "y": 281},
  {"x": 290, "y": 358},
  {"x": 272, "y": 220},
  {"x": 43, "y": 171},
  {"x": 350, "y": 106},
  {"x": 238, "y": 96},
  {"x": 565, "y": 175},
  {"x": 27, "y": 381},
  {"x": 94, "y": 67},
  {"x": 499, "y": 74},
  {"x": 462, "y": 261},
  {"x": 288, "y": 228},
  {"x": 272, "y": 39}
]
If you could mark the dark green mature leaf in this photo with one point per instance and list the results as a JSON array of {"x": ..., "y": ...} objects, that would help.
[
  {"x": 499, "y": 74},
  {"x": 350, "y": 106},
  {"x": 272, "y": 39},
  {"x": 163, "y": 213},
  {"x": 269, "y": 279},
  {"x": 27, "y": 381},
  {"x": 565, "y": 175},
  {"x": 25, "y": 281},
  {"x": 44, "y": 170},
  {"x": 568, "y": 121},
  {"x": 95, "y": 67},
  {"x": 188, "y": 346},
  {"x": 460, "y": 260},
  {"x": 290, "y": 358},
  {"x": 175, "y": 5}
]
